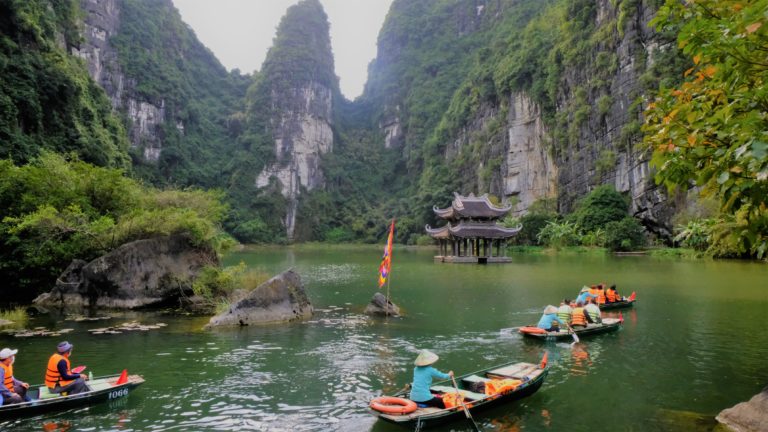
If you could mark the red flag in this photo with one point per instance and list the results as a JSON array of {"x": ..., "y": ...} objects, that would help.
[
  {"x": 386, "y": 261},
  {"x": 632, "y": 297},
  {"x": 123, "y": 378}
]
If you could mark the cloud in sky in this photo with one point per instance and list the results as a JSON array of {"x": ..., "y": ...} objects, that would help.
[{"x": 239, "y": 32}]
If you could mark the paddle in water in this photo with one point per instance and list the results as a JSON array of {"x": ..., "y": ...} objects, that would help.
[
  {"x": 573, "y": 334},
  {"x": 461, "y": 401}
]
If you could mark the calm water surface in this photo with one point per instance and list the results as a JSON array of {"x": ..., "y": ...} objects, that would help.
[{"x": 693, "y": 345}]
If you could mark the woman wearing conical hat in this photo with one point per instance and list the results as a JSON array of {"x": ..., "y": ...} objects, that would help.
[
  {"x": 422, "y": 380},
  {"x": 548, "y": 319}
]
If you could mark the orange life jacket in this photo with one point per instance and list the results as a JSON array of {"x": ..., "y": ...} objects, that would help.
[
  {"x": 611, "y": 295},
  {"x": 451, "y": 400},
  {"x": 578, "y": 317},
  {"x": 8, "y": 376},
  {"x": 593, "y": 291},
  {"x": 52, "y": 375},
  {"x": 600, "y": 296},
  {"x": 496, "y": 386}
]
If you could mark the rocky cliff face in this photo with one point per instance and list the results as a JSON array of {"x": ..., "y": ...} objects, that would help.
[
  {"x": 101, "y": 22},
  {"x": 301, "y": 104},
  {"x": 495, "y": 136},
  {"x": 605, "y": 151}
]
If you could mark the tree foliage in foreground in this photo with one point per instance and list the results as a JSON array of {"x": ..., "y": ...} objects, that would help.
[
  {"x": 712, "y": 131},
  {"x": 54, "y": 210}
]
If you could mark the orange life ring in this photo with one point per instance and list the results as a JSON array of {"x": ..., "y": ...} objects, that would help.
[
  {"x": 532, "y": 330},
  {"x": 393, "y": 405}
]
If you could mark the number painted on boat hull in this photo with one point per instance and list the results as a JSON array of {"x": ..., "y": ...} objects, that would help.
[{"x": 118, "y": 393}]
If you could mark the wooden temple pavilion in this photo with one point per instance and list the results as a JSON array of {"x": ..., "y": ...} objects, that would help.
[{"x": 472, "y": 234}]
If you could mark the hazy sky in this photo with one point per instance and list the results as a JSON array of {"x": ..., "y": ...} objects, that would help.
[{"x": 239, "y": 32}]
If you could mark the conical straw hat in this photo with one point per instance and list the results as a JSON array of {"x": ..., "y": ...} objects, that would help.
[
  {"x": 585, "y": 289},
  {"x": 425, "y": 358},
  {"x": 550, "y": 309}
]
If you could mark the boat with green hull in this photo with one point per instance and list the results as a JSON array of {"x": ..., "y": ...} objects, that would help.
[
  {"x": 532, "y": 376},
  {"x": 608, "y": 325},
  {"x": 100, "y": 389},
  {"x": 618, "y": 305}
]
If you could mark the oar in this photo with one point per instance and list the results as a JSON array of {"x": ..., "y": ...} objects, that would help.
[
  {"x": 461, "y": 401},
  {"x": 573, "y": 334}
]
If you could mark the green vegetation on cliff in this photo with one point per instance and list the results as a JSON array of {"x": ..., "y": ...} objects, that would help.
[
  {"x": 172, "y": 69},
  {"x": 54, "y": 210},
  {"x": 47, "y": 99}
]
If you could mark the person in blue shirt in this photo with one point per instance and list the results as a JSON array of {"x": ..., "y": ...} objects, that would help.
[
  {"x": 422, "y": 380},
  {"x": 585, "y": 295},
  {"x": 549, "y": 318}
]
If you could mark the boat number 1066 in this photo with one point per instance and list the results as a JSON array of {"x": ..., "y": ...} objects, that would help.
[{"x": 118, "y": 393}]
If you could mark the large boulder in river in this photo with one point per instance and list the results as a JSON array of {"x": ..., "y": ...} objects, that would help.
[
  {"x": 280, "y": 299},
  {"x": 380, "y": 306},
  {"x": 151, "y": 272},
  {"x": 750, "y": 416}
]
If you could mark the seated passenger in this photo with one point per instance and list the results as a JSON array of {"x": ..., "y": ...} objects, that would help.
[
  {"x": 12, "y": 390},
  {"x": 422, "y": 380},
  {"x": 612, "y": 295},
  {"x": 579, "y": 318},
  {"x": 564, "y": 311},
  {"x": 601, "y": 294},
  {"x": 59, "y": 378},
  {"x": 593, "y": 312},
  {"x": 549, "y": 318}
]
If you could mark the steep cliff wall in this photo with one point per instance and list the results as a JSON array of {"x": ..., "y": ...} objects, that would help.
[
  {"x": 546, "y": 101},
  {"x": 609, "y": 90},
  {"x": 101, "y": 22},
  {"x": 294, "y": 95},
  {"x": 174, "y": 94}
]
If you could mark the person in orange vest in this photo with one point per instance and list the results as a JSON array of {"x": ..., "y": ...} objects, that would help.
[
  {"x": 578, "y": 316},
  {"x": 612, "y": 295},
  {"x": 601, "y": 294},
  {"x": 12, "y": 391},
  {"x": 59, "y": 378}
]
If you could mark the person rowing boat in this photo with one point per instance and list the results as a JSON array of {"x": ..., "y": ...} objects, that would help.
[{"x": 422, "y": 380}]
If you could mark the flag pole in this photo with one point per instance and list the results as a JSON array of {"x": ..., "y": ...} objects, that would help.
[{"x": 389, "y": 278}]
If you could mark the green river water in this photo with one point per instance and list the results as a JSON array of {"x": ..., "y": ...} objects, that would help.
[{"x": 694, "y": 344}]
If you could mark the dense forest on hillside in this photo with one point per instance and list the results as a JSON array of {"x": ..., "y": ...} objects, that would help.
[
  {"x": 434, "y": 117},
  {"x": 47, "y": 99}
]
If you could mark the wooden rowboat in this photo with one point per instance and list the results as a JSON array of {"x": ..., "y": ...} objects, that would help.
[
  {"x": 608, "y": 324},
  {"x": 617, "y": 305},
  {"x": 532, "y": 376},
  {"x": 101, "y": 389}
]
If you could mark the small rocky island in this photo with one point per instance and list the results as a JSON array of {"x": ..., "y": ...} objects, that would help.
[
  {"x": 280, "y": 299},
  {"x": 143, "y": 273}
]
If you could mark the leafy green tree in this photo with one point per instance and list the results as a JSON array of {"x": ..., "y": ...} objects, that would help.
[
  {"x": 54, "y": 210},
  {"x": 560, "y": 234},
  {"x": 624, "y": 235},
  {"x": 695, "y": 234},
  {"x": 601, "y": 206},
  {"x": 712, "y": 131}
]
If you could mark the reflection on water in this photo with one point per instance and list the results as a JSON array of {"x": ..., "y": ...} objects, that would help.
[{"x": 685, "y": 338}]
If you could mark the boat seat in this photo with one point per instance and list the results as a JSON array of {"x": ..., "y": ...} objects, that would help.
[
  {"x": 44, "y": 393},
  {"x": 517, "y": 370},
  {"x": 466, "y": 393},
  {"x": 474, "y": 379}
]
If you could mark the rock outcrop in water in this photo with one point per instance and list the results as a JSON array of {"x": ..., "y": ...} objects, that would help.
[
  {"x": 380, "y": 306},
  {"x": 142, "y": 273},
  {"x": 280, "y": 299},
  {"x": 750, "y": 416}
]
